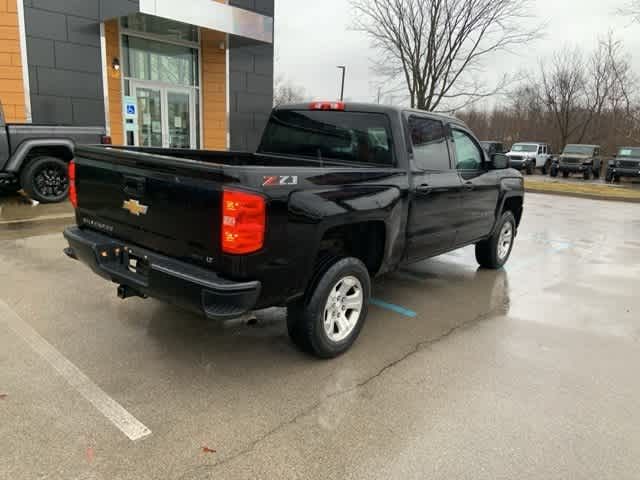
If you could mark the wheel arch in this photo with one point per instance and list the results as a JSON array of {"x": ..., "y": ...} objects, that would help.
[{"x": 61, "y": 148}]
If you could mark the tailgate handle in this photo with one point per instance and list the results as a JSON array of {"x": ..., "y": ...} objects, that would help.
[{"x": 134, "y": 185}]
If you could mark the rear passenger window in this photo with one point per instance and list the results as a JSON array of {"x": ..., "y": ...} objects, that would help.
[{"x": 429, "y": 141}]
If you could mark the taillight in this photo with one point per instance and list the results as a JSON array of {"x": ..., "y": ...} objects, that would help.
[
  {"x": 328, "y": 106},
  {"x": 243, "y": 222},
  {"x": 73, "y": 193},
  {"x": 105, "y": 140}
]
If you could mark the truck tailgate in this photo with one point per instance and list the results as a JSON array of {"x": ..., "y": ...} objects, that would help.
[{"x": 175, "y": 211}]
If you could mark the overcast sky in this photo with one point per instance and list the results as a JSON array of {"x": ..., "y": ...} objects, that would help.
[{"x": 312, "y": 37}]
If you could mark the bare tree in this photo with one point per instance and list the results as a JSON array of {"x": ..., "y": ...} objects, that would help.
[
  {"x": 438, "y": 47},
  {"x": 286, "y": 92},
  {"x": 631, "y": 9}
]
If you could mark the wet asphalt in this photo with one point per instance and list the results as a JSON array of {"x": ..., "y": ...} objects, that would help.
[{"x": 526, "y": 373}]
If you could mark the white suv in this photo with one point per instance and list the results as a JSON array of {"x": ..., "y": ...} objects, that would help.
[{"x": 528, "y": 156}]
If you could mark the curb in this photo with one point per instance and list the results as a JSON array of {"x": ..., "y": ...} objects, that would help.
[{"x": 593, "y": 192}]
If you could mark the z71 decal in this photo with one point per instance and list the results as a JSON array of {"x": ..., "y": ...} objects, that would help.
[{"x": 275, "y": 180}]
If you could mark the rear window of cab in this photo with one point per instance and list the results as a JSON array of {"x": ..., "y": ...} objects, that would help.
[{"x": 330, "y": 135}]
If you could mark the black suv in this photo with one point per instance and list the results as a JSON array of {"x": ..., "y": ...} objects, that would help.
[{"x": 626, "y": 164}]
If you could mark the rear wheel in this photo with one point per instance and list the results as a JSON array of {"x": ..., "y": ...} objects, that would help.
[
  {"x": 587, "y": 175},
  {"x": 45, "y": 179},
  {"x": 329, "y": 319},
  {"x": 596, "y": 173},
  {"x": 565, "y": 174},
  {"x": 494, "y": 252}
]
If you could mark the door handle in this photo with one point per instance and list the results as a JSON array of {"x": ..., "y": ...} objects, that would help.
[
  {"x": 423, "y": 189},
  {"x": 468, "y": 186}
]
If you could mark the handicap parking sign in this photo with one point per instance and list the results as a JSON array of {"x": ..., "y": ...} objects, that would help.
[{"x": 131, "y": 109}]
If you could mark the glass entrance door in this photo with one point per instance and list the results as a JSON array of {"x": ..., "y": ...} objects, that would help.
[
  {"x": 166, "y": 116},
  {"x": 149, "y": 117},
  {"x": 179, "y": 111}
]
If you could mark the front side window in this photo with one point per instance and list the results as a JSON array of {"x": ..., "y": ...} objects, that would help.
[
  {"x": 468, "y": 154},
  {"x": 429, "y": 141},
  {"x": 330, "y": 135}
]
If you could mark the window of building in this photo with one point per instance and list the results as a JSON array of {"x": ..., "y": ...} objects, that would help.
[
  {"x": 429, "y": 140},
  {"x": 161, "y": 27},
  {"x": 160, "y": 62}
]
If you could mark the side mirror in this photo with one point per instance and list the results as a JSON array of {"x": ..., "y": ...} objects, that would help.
[{"x": 499, "y": 161}]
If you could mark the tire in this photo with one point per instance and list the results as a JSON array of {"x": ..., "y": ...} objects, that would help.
[
  {"x": 493, "y": 253},
  {"x": 529, "y": 168},
  {"x": 306, "y": 318},
  {"x": 554, "y": 171},
  {"x": 587, "y": 175},
  {"x": 596, "y": 174},
  {"x": 565, "y": 174},
  {"x": 546, "y": 167},
  {"x": 45, "y": 179},
  {"x": 609, "y": 177}
]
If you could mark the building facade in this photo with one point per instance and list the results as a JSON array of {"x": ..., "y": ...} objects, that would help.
[{"x": 162, "y": 73}]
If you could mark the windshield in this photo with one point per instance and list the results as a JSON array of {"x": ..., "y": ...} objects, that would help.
[
  {"x": 629, "y": 153},
  {"x": 521, "y": 147},
  {"x": 578, "y": 150},
  {"x": 330, "y": 135}
]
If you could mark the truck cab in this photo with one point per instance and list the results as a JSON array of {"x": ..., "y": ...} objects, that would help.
[{"x": 529, "y": 156}]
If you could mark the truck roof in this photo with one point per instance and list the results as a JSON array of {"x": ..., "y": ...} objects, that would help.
[{"x": 375, "y": 108}]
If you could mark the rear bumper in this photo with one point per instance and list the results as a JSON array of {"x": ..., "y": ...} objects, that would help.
[{"x": 162, "y": 277}]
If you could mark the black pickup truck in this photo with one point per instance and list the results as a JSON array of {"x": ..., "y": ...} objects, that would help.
[
  {"x": 335, "y": 195},
  {"x": 35, "y": 157}
]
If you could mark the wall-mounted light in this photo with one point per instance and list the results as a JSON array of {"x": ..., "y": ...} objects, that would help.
[
  {"x": 115, "y": 64},
  {"x": 222, "y": 46}
]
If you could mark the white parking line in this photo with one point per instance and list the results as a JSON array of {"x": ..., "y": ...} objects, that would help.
[{"x": 106, "y": 405}]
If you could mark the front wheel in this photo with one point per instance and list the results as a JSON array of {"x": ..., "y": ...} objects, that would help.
[
  {"x": 554, "y": 171},
  {"x": 494, "y": 252},
  {"x": 329, "y": 319},
  {"x": 46, "y": 180},
  {"x": 529, "y": 168}
]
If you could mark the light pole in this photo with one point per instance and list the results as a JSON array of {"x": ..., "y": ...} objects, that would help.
[{"x": 344, "y": 72}]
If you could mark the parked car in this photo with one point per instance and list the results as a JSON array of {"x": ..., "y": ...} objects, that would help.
[
  {"x": 529, "y": 156},
  {"x": 584, "y": 159},
  {"x": 35, "y": 157},
  {"x": 626, "y": 164},
  {"x": 492, "y": 147},
  {"x": 336, "y": 194}
]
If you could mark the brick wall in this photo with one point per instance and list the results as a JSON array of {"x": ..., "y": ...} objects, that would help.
[
  {"x": 214, "y": 95},
  {"x": 11, "y": 83},
  {"x": 112, "y": 40},
  {"x": 250, "y": 83},
  {"x": 63, "y": 49}
]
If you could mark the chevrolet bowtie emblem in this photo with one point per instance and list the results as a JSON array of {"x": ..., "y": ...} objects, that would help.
[{"x": 134, "y": 207}]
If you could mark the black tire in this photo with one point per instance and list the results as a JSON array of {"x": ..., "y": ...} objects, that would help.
[
  {"x": 46, "y": 180},
  {"x": 586, "y": 175},
  {"x": 554, "y": 171},
  {"x": 546, "y": 167},
  {"x": 305, "y": 318},
  {"x": 529, "y": 168},
  {"x": 565, "y": 174},
  {"x": 596, "y": 174},
  {"x": 487, "y": 251}
]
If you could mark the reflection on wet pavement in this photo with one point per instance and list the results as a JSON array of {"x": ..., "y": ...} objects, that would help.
[
  {"x": 528, "y": 372},
  {"x": 21, "y": 217}
]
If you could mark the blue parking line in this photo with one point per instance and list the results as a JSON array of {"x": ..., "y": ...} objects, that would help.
[{"x": 394, "y": 308}]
